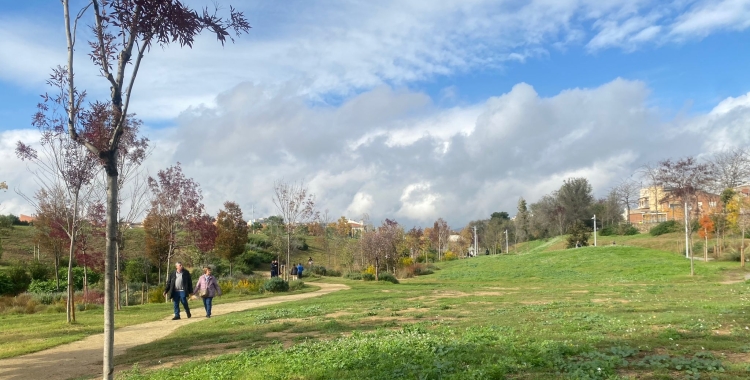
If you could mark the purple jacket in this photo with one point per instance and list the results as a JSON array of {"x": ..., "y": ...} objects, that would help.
[{"x": 208, "y": 283}]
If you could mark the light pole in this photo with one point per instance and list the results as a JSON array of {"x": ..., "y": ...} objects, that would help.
[
  {"x": 506, "y": 241},
  {"x": 476, "y": 248},
  {"x": 594, "y": 229}
]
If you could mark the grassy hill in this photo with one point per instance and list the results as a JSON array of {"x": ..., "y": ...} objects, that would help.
[{"x": 589, "y": 313}]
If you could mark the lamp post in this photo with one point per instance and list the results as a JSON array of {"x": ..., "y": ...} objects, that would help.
[{"x": 594, "y": 229}]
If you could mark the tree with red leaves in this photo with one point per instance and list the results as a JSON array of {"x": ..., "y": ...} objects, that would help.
[
  {"x": 122, "y": 33},
  {"x": 176, "y": 201},
  {"x": 203, "y": 232},
  {"x": 232, "y": 232},
  {"x": 684, "y": 179}
]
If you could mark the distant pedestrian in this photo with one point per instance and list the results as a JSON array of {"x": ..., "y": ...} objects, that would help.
[
  {"x": 207, "y": 288},
  {"x": 178, "y": 287},
  {"x": 300, "y": 269},
  {"x": 310, "y": 262},
  {"x": 294, "y": 271},
  {"x": 274, "y": 268}
]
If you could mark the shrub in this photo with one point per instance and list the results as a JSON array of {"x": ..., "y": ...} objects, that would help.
[
  {"x": 405, "y": 261},
  {"x": 91, "y": 276},
  {"x": 6, "y": 285},
  {"x": 39, "y": 271},
  {"x": 276, "y": 285},
  {"x": 665, "y": 228},
  {"x": 608, "y": 231},
  {"x": 370, "y": 269},
  {"x": 19, "y": 278},
  {"x": 249, "y": 286},
  {"x": 630, "y": 230},
  {"x": 450, "y": 256},
  {"x": 43, "y": 286},
  {"x": 368, "y": 276},
  {"x": 387, "y": 276},
  {"x": 296, "y": 285},
  {"x": 319, "y": 270},
  {"x": 353, "y": 276},
  {"x": 156, "y": 295},
  {"x": 226, "y": 286},
  {"x": 333, "y": 273},
  {"x": 579, "y": 234},
  {"x": 421, "y": 270}
]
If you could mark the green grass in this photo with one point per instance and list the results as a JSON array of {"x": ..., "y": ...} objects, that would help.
[
  {"x": 605, "y": 312},
  {"x": 26, "y": 333}
]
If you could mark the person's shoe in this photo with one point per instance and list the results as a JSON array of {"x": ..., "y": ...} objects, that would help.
[
  {"x": 176, "y": 317},
  {"x": 188, "y": 314},
  {"x": 208, "y": 315}
]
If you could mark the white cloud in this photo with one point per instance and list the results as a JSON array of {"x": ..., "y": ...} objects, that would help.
[
  {"x": 342, "y": 48},
  {"x": 476, "y": 160}
]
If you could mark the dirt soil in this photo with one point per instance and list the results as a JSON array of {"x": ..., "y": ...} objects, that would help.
[{"x": 84, "y": 357}]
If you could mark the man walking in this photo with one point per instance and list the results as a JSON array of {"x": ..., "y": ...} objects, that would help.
[{"x": 178, "y": 287}]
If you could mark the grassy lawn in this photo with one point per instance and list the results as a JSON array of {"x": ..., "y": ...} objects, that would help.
[
  {"x": 25, "y": 333},
  {"x": 600, "y": 313}
]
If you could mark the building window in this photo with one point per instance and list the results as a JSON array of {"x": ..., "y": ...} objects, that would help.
[{"x": 712, "y": 204}]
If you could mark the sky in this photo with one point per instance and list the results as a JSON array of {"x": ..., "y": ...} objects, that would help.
[{"x": 411, "y": 109}]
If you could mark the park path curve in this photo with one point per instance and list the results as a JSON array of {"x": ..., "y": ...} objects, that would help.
[{"x": 84, "y": 357}]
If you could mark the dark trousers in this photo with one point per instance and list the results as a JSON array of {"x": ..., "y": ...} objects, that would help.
[
  {"x": 177, "y": 297},
  {"x": 207, "y": 304}
]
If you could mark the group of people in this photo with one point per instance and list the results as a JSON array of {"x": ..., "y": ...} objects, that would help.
[
  {"x": 179, "y": 287},
  {"x": 295, "y": 272}
]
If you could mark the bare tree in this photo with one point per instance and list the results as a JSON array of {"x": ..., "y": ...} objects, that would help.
[
  {"x": 628, "y": 191},
  {"x": 123, "y": 31},
  {"x": 295, "y": 205},
  {"x": 65, "y": 171},
  {"x": 685, "y": 178},
  {"x": 732, "y": 168}
]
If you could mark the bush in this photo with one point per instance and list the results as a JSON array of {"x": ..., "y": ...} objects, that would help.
[
  {"x": 296, "y": 285},
  {"x": 450, "y": 256},
  {"x": 92, "y": 277},
  {"x": 608, "y": 231},
  {"x": 226, "y": 286},
  {"x": 43, "y": 286},
  {"x": 276, "y": 285},
  {"x": 405, "y": 261},
  {"x": 368, "y": 276},
  {"x": 579, "y": 234},
  {"x": 156, "y": 295},
  {"x": 319, "y": 270},
  {"x": 39, "y": 271},
  {"x": 630, "y": 230},
  {"x": 249, "y": 286},
  {"x": 387, "y": 276},
  {"x": 19, "y": 278},
  {"x": 256, "y": 258},
  {"x": 353, "y": 276},
  {"x": 370, "y": 269},
  {"x": 665, "y": 228},
  {"x": 333, "y": 273},
  {"x": 6, "y": 286}
]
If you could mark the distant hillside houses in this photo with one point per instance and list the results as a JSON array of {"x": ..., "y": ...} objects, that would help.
[{"x": 655, "y": 205}]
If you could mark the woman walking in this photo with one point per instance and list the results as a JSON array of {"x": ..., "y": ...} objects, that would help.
[{"x": 207, "y": 288}]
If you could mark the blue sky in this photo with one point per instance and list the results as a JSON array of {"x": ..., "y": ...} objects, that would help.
[{"x": 414, "y": 81}]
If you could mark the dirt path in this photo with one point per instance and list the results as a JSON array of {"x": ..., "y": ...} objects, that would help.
[{"x": 84, "y": 357}]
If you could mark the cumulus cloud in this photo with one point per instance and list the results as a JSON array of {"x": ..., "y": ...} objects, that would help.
[{"x": 392, "y": 153}]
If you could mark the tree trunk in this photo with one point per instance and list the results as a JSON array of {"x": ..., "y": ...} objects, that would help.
[
  {"x": 109, "y": 263},
  {"x": 288, "y": 248},
  {"x": 71, "y": 313},
  {"x": 377, "y": 269},
  {"x": 85, "y": 281},
  {"x": 126, "y": 294},
  {"x": 117, "y": 276},
  {"x": 742, "y": 247},
  {"x": 57, "y": 269}
]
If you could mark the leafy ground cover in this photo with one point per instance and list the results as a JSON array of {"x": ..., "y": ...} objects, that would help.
[{"x": 599, "y": 313}]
